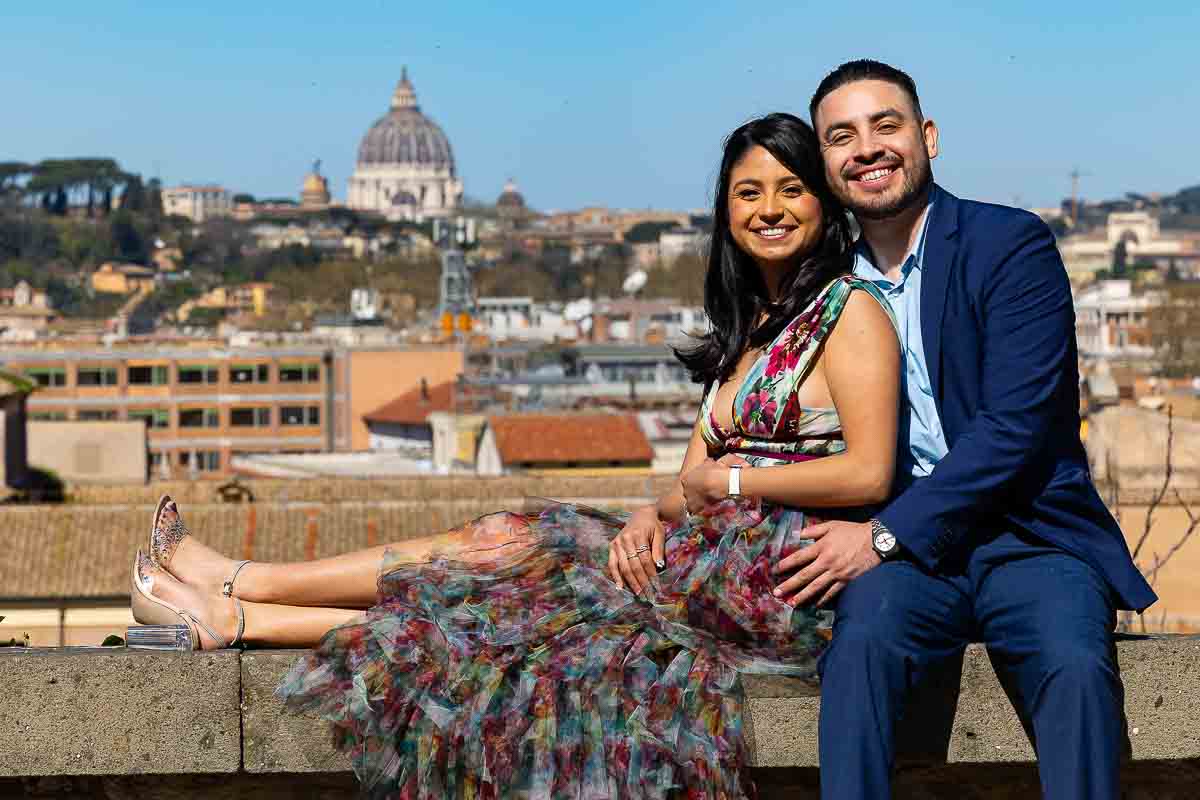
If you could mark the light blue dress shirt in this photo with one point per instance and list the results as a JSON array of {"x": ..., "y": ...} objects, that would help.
[{"x": 920, "y": 426}]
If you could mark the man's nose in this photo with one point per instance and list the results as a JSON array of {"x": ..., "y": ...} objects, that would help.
[{"x": 868, "y": 149}]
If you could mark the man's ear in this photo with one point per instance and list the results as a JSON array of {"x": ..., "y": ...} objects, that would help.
[{"x": 929, "y": 131}]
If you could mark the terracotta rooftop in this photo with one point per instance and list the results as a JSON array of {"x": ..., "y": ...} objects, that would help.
[
  {"x": 414, "y": 407},
  {"x": 562, "y": 438}
]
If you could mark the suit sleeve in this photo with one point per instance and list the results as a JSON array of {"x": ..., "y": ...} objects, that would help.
[{"x": 1028, "y": 322}]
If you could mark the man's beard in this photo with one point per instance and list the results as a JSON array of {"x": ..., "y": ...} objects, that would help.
[{"x": 916, "y": 182}]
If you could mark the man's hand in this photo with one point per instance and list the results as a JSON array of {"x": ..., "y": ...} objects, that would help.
[
  {"x": 708, "y": 482},
  {"x": 840, "y": 552},
  {"x": 637, "y": 550}
]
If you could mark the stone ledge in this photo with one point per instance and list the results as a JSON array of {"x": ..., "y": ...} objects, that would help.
[
  {"x": 1163, "y": 717},
  {"x": 92, "y": 711},
  {"x": 118, "y": 712}
]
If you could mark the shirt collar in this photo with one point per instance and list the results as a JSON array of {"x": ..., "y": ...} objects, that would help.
[{"x": 864, "y": 264}]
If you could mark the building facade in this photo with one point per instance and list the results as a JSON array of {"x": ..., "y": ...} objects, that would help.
[
  {"x": 197, "y": 203},
  {"x": 204, "y": 405},
  {"x": 405, "y": 168}
]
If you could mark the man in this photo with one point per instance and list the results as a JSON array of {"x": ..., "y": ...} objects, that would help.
[{"x": 995, "y": 532}]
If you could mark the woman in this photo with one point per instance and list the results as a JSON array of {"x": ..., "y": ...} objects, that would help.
[{"x": 572, "y": 653}]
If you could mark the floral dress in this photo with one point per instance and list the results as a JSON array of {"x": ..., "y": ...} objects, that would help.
[{"x": 515, "y": 667}]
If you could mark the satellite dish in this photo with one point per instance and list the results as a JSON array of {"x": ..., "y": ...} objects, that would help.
[
  {"x": 577, "y": 310},
  {"x": 634, "y": 283}
]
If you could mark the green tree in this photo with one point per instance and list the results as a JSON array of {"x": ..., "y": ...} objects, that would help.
[
  {"x": 134, "y": 197},
  {"x": 646, "y": 232},
  {"x": 128, "y": 242},
  {"x": 1175, "y": 329}
]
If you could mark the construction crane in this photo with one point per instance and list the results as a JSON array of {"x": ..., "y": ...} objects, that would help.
[{"x": 1075, "y": 175}]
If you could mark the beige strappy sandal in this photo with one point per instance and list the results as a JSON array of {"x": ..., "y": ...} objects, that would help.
[
  {"x": 164, "y": 543},
  {"x": 150, "y": 610}
]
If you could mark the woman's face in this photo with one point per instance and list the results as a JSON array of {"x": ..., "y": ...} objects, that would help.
[{"x": 772, "y": 216}]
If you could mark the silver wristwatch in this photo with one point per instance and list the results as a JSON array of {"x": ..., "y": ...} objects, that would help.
[
  {"x": 735, "y": 480},
  {"x": 883, "y": 541}
]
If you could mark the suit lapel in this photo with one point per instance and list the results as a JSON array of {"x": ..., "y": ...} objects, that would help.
[{"x": 941, "y": 245}]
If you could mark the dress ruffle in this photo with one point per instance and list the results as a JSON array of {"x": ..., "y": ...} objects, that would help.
[{"x": 515, "y": 667}]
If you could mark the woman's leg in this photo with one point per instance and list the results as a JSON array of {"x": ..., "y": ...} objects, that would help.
[
  {"x": 344, "y": 581},
  {"x": 266, "y": 625}
]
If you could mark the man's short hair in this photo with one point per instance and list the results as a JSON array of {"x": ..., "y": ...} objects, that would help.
[{"x": 864, "y": 69}]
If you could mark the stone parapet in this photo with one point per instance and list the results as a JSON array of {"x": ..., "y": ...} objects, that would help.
[{"x": 116, "y": 714}]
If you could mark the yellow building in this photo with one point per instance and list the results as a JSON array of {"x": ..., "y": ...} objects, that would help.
[{"x": 113, "y": 278}]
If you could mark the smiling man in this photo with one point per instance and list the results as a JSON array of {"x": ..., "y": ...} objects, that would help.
[{"x": 995, "y": 532}]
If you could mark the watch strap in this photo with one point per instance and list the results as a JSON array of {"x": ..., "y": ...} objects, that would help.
[{"x": 735, "y": 480}]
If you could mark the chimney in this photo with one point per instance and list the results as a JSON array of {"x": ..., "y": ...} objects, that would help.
[{"x": 424, "y": 391}]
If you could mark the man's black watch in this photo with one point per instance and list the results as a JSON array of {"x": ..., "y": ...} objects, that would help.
[{"x": 883, "y": 541}]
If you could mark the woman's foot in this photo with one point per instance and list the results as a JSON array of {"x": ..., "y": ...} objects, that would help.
[
  {"x": 186, "y": 558},
  {"x": 218, "y": 613}
]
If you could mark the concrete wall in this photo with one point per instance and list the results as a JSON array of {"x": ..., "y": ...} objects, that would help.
[
  {"x": 121, "y": 724},
  {"x": 90, "y": 452}
]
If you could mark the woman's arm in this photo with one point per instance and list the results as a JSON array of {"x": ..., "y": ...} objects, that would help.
[
  {"x": 629, "y": 564},
  {"x": 672, "y": 507},
  {"x": 862, "y": 367}
]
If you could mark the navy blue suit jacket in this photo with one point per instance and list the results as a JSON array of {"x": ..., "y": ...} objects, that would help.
[{"x": 999, "y": 334}]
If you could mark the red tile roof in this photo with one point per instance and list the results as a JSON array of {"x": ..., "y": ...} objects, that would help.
[
  {"x": 563, "y": 438},
  {"x": 414, "y": 407}
]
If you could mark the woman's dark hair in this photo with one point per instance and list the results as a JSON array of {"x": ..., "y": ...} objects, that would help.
[{"x": 735, "y": 296}]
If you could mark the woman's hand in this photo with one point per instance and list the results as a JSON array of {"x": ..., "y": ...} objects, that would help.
[
  {"x": 708, "y": 483},
  {"x": 637, "y": 550}
]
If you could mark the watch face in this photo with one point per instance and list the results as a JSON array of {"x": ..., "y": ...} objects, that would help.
[{"x": 885, "y": 541}]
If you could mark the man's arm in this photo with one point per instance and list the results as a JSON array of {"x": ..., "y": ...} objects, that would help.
[{"x": 1028, "y": 323}]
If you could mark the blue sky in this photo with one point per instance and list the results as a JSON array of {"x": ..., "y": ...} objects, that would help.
[{"x": 621, "y": 104}]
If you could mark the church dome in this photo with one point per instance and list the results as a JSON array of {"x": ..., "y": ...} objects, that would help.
[
  {"x": 510, "y": 197},
  {"x": 314, "y": 184},
  {"x": 405, "y": 136}
]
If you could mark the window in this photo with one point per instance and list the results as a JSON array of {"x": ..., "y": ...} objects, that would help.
[
  {"x": 153, "y": 417},
  {"x": 300, "y": 415},
  {"x": 199, "y": 418},
  {"x": 201, "y": 460},
  {"x": 197, "y": 373},
  {"x": 48, "y": 416},
  {"x": 250, "y": 417},
  {"x": 96, "y": 414},
  {"x": 250, "y": 373},
  {"x": 148, "y": 376},
  {"x": 47, "y": 376},
  {"x": 96, "y": 376},
  {"x": 299, "y": 373},
  {"x": 155, "y": 460}
]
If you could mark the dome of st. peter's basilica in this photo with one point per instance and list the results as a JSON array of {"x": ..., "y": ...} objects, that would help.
[{"x": 405, "y": 153}]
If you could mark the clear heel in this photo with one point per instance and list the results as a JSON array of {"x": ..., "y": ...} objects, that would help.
[{"x": 158, "y": 637}]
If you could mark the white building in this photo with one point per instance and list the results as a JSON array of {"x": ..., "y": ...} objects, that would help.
[
  {"x": 1111, "y": 320},
  {"x": 522, "y": 319},
  {"x": 1087, "y": 253},
  {"x": 681, "y": 241},
  {"x": 405, "y": 166},
  {"x": 197, "y": 203}
]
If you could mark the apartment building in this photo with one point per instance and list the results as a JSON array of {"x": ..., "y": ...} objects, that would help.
[
  {"x": 204, "y": 405},
  {"x": 197, "y": 203}
]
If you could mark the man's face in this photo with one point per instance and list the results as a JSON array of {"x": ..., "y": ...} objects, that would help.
[{"x": 876, "y": 148}]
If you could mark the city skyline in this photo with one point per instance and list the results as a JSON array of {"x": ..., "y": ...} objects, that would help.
[{"x": 624, "y": 108}]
